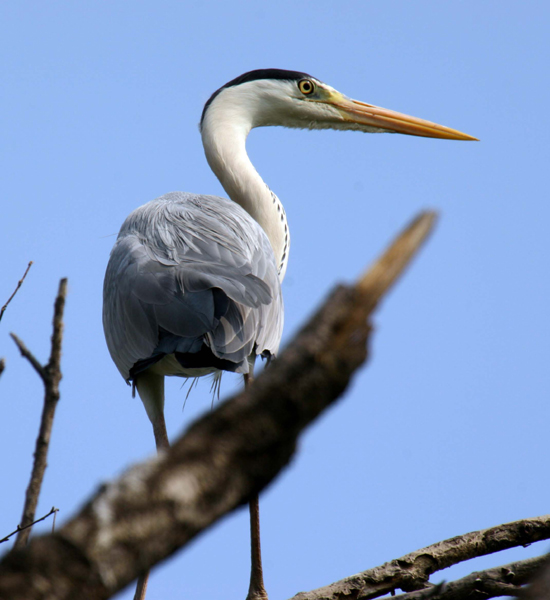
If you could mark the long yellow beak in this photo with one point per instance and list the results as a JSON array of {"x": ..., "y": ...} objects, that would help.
[{"x": 382, "y": 118}]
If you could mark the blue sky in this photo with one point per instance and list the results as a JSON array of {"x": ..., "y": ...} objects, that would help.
[{"x": 446, "y": 430}]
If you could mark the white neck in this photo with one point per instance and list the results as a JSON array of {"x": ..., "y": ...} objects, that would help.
[{"x": 224, "y": 132}]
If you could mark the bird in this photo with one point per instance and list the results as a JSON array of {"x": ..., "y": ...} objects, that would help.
[{"x": 193, "y": 283}]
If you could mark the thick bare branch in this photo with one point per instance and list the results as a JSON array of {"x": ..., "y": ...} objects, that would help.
[
  {"x": 492, "y": 583},
  {"x": 411, "y": 572},
  {"x": 539, "y": 584},
  {"x": 19, "y": 284},
  {"x": 51, "y": 376},
  {"x": 387, "y": 268},
  {"x": 222, "y": 461},
  {"x": 2, "y": 365}
]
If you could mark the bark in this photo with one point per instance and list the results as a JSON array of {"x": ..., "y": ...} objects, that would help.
[
  {"x": 481, "y": 585},
  {"x": 223, "y": 460},
  {"x": 412, "y": 572},
  {"x": 539, "y": 589}
]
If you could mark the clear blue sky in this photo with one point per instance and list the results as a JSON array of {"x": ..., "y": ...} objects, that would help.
[{"x": 446, "y": 430}]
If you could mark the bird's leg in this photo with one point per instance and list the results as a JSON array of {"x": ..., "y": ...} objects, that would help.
[
  {"x": 141, "y": 587},
  {"x": 150, "y": 387},
  {"x": 161, "y": 437},
  {"x": 151, "y": 391},
  {"x": 256, "y": 591}
]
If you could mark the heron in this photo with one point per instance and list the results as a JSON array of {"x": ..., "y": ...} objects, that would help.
[{"x": 193, "y": 283}]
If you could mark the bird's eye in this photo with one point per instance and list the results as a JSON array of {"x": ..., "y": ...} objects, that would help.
[{"x": 306, "y": 86}]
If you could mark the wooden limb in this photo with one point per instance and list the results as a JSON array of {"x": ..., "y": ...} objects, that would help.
[
  {"x": 539, "y": 584},
  {"x": 26, "y": 353},
  {"x": 19, "y": 284},
  {"x": 225, "y": 458},
  {"x": 51, "y": 376},
  {"x": 382, "y": 274},
  {"x": 491, "y": 583},
  {"x": 411, "y": 572},
  {"x": 2, "y": 365}
]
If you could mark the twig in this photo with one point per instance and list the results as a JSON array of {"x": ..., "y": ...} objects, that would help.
[
  {"x": 26, "y": 353},
  {"x": 2, "y": 365},
  {"x": 411, "y": 572},
  {"x": 19, "y": 284},
  {"x": 491, "y": 583},
  {"x": 222, "y": 461},
  {"x": 51, "y": 376},
  {"x": 19, "y": 528}
]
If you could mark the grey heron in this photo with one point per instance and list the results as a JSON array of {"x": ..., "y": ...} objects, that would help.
[{"x": 193, "y": 284}]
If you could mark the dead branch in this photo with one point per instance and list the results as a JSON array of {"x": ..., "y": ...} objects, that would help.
[
  {"x": 51, "y": 376},
  {"x": 26, "y": 353},
  {"x": 224, "y": 458},
  {"x": 539, "y": 586},
  {"x": 53, "y": 511},
  {"x": 19, "y": 284},
  {"x": 491, "y": 583},
  {"x": 412, "y": 572},
  {"x": 2, "y": 365}
]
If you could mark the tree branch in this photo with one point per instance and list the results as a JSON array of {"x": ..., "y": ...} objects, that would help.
[
  {"x": 539, "y": 586},
  {"x": 51, "y": 376},
  {"x": 412, "y": 571},
  {"x": 224, "y": 458},
  {"x": 26, "y": 353},
  {"x": 19, "y": 284},
  {"x": 492, "y": 583}
]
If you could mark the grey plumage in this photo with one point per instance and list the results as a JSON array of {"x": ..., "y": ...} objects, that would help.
[
  {"x": 193, "y": 282},
  {"x": 190, "y": 272}
]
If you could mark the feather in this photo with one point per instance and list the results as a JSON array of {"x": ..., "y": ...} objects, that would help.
[{"x": 191, "y": 274}]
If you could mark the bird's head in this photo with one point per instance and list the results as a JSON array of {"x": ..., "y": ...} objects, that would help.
[{"x": 293, "y": 99}]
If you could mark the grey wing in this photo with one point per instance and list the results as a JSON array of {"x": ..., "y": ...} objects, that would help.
[{"x": 188, "y": 272}]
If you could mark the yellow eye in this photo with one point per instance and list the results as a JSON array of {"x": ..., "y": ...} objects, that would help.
[{"x": 306, "y": 86}]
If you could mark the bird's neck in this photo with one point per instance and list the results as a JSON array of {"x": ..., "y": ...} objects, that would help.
[{"x": 225, "y": 148}]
